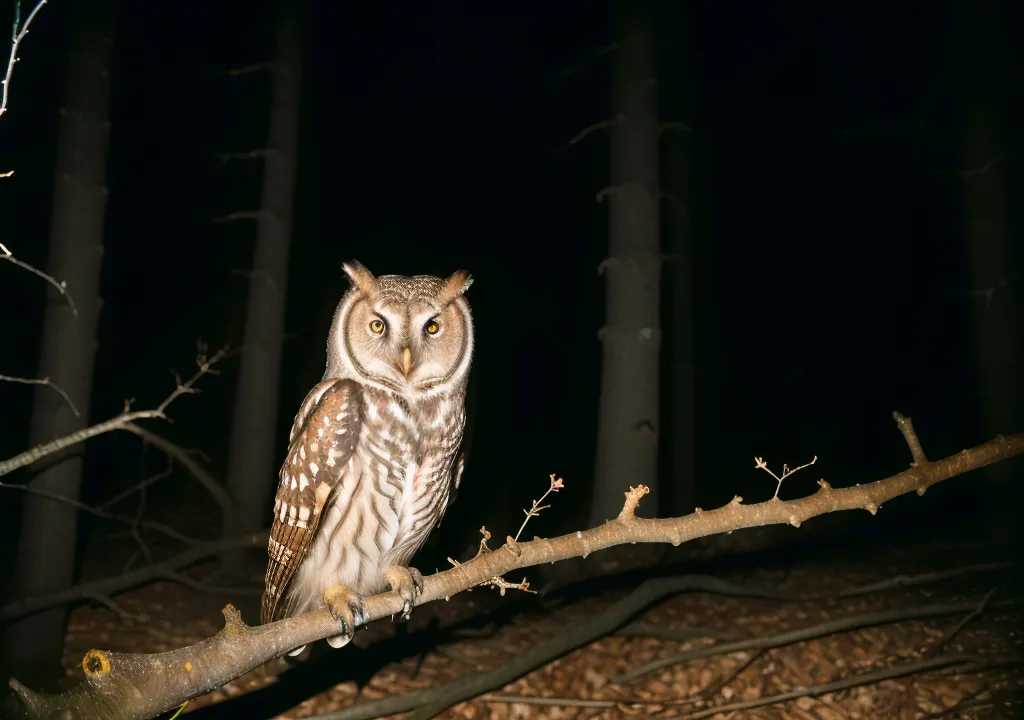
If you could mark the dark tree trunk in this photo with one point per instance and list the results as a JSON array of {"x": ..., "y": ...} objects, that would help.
[
  {"x": 46, "y": 547},
  {"x": 982, "y": 59},
  {"x": 252, "y": 460},
  {"x": 627, "y": 437}
]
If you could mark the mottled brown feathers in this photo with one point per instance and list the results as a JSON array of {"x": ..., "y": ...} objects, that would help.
[{"x": 323, "y": 439}]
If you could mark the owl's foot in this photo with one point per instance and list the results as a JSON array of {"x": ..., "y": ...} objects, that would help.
[
  {"x": 346, "y": 606},
  {"x": 408, "y": 583}
]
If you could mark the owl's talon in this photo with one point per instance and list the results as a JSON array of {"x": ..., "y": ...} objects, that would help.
[
  {"x": 345, "y": 606},
  {"x": 408, "y": 583}
]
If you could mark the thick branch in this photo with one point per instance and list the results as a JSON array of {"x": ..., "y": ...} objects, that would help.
[{"x": 138, "y": 686}]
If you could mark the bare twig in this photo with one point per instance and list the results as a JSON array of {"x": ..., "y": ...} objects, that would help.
[
  {"x": 61, "y": 286},
  {"x": 589, "y": 130},
  {"x": 139, "y": 685},
  {"x": 924, "y": 578},
  {"x": 786, "y": 472},
  {"x": 975, "y": 612},
  {"x": 185, "y": 458},
  {"x": 115, "y": 423},
  {"x": 168, "y": 569},
  {"x": 868, "y": 678},
  {"x": 16, "y": 37},
  {"x": 843, "y": 624},
  {"x": 556, "y": 485},
  {"x": 133, "y": 521},
  {"x": 241, "y": 215},
  {"x": 247, "y": 69},
  {"x": 245, "y": 155},
  {"x": 906, "y": 426},
  {"x": 44, "y": 381}
]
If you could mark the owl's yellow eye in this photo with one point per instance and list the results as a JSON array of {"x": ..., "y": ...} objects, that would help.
[
  {"x": 377, "y": 326},
  {"x": 431, "y": 327}
]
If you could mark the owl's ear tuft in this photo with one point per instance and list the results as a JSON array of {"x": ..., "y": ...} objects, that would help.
[
  {"x": 454, "y": 287},
  {"x": 360, "y": 277}
]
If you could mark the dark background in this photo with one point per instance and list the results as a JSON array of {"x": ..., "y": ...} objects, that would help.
[{"x": 826, "y": 209}]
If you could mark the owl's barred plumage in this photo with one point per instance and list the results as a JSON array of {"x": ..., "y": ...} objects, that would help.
[{"x": 373, "y": 459}]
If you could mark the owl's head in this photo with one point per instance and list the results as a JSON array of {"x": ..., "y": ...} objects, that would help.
[{"x": 408, "y": 334}]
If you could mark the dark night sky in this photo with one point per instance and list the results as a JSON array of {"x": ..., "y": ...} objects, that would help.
[{"x": 829, "y": 257}]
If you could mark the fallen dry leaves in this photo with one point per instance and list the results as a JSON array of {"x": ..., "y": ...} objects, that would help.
[{"x": 581, "y": 684}]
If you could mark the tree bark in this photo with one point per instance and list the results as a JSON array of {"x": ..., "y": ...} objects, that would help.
[
  {"x": 251, "y": 455},
  {"x": 681, "y": 496},
  {"x": 627, "y": 436},
  {"x": 46, "y": 546},
  {"x": 980, "y": 55},
  {"x": 980, "y": 61}
]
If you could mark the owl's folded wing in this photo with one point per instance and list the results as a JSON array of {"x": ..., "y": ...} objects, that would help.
[{"x": 321, "y": 444}]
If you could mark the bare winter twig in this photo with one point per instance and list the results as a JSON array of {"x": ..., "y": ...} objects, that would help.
[
  {"x": 206, "y": 367},
  {"x": 60, "y": 285},
  {"x": 16, "y": 37},
  {"x": 44, "y": 381},
  {"x": 169, "y": 569}
]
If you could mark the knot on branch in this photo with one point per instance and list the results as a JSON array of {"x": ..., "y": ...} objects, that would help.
[
  {"x": 233, "y": 624},
  {"x": 96, "y": 664},
  {"x": 512, "y": 547},
  {"x": 633, "y": 496}
]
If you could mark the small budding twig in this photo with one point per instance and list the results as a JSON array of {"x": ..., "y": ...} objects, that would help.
[
  {"x": 62, "y": 287},
  {"x": 510, "y": 543},
  {"x": 760, "y": 464},
  {"x": 556, "y": 485},
  {"x": 43, "y": 381}
]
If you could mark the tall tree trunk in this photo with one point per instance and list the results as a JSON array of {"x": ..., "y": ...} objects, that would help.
[
  {"x": 252, "y": 458},
  {"x": 46, "y": 547},
  {"x": 680, "y": 498},
  {"x": 981, "y": 60},
  {"x": 627, "y": 435}
]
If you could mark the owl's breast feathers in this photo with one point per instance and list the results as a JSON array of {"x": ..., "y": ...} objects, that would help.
[{"x": 322, "y": 442}]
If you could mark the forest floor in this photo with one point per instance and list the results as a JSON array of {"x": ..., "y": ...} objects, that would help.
[{"x": 440, "y": 644}]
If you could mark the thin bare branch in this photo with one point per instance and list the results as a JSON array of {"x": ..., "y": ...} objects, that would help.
[
  {"x": 842, "y": 624},
  {"x": 115, "y": 423},
  {"x": 244, "y": 155},
  {"x": 760, "y": 464},
  {"x": 107, "y": 587},
  {"x": 44, "y": 381},
  {"x": 122, "y": 685},
  {"x": 16, "y": 37},
  {"x": 240, "y": 215},
  {"x": 185, "y": 458},
  {"x": 556, "y": 485},
  {"x": 247, "y": 69},
  {"x": 975, "y": 612},
  {"x": 133, "y": 521},
  {"x": 589, "y": 130},
  {"x": 61, "y": 286},
  {"x": 867, "y": 678}
]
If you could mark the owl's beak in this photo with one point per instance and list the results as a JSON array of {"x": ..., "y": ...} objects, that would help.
[{"x": 406, "y": 361}]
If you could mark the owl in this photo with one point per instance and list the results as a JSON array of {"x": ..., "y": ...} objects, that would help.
[{"x": 374, "y": 452}]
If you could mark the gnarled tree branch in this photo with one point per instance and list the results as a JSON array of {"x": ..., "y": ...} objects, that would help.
[{"x": 125, "y": 685}]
